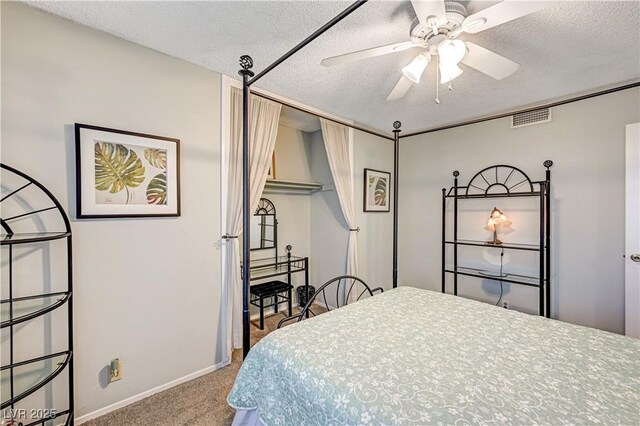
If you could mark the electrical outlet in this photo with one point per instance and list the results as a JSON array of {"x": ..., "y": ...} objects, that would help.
[
  {"x": 115, "y": 370},
  {"x": 505, "y": 304}
]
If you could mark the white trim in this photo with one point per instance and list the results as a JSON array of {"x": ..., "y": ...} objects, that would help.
[
  {"x": 632, "y": 231},
  {"x": 148, "y": 393},
  {"x": 225, "y": 135}
]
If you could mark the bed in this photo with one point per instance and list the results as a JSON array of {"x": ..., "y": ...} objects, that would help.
[{"x": 412, "y": 356}]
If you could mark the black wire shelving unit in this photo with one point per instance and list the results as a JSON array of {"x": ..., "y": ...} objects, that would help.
[
  {"x": 19, "y": 310},
  {"x": 502, "y": 181}
]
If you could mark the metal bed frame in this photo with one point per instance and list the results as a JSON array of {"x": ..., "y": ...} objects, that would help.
[
  {"x": 249, "y": 78},
  {"x": 343, "y": 284}
]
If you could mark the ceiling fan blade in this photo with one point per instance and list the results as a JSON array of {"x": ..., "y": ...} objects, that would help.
[
  {"x": 488, "y": 62},
  {"x": 401, "y": 89},
  {"x": 367, "y": 53},
  {"x": 426, "y": 8},
  {"x": 500, "y": 13}
]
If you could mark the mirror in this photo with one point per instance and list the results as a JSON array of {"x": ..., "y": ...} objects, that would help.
[{"x": 264, "y": 226}]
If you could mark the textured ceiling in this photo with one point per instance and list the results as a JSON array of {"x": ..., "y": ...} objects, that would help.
[
  {"x": 571, "y": 47},
  {"x": 295, "y": 119}
]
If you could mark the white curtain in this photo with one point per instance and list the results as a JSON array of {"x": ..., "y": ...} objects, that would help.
[
  {"x": 336, "y": 142},
  {"x": 263, "y": 127}
]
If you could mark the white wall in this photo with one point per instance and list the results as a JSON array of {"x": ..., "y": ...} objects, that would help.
[
  {"x": 146, "y": 290},
  {"x": 329, "y": 234},
  {"x": 375, "y": 238},
  {"x": 586, "y": 142}
]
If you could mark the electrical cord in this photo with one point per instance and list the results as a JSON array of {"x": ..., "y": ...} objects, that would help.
[{"x": 501, "y": 284}]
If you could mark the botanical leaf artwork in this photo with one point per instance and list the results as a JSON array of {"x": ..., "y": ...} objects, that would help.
[
  {"x": 117, "y": 168},
  {"x": 157, "y": 189},
  {"x": 376, "y": 191},
  {"x": 380, "y": 192},
  {"x": 156, "y": 157},
  {"x": 130, "y": 174}
]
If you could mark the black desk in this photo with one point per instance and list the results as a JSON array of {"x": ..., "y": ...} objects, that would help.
[{"x": 281, "y": 291}]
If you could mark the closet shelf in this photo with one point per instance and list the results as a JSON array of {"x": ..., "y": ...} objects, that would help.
[
  {"x": 274, "y": 186},
  {"x": 492, "y": 275},
  {"x": 513, "y": 246}
]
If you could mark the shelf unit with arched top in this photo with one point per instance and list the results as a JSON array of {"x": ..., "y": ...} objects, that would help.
[
  {"x": 31, "y": 214},
  {"x": 501, "y": 181}
]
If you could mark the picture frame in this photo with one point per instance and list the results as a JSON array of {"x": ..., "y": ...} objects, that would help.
[
  {"x": 126, "y": 174},
  {"x": 377, "y": 185}
]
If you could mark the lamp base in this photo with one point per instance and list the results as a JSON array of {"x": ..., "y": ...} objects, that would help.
[{"x": 496, "y": 241}]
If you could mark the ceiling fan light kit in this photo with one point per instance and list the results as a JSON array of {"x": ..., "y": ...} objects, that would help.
[
  {"x": 435, "y": 31},
  {"x": 451, "y": 52},
  {"x": 414, "y": 70},
  {"x": 449, "y": 72}
]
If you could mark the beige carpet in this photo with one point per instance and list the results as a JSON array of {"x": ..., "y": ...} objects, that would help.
[{"x": 202, "y": 401}]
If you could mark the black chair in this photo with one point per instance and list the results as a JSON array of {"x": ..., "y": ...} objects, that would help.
[
  {"x": 338, "y": 286},
  {"x": 279, "y": 290}
]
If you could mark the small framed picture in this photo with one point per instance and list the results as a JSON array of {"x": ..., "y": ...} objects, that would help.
[
  {"x": 126, "y": 174},
  {"x": 376, "y": 190},
  {"x": 271, "y": 174}
]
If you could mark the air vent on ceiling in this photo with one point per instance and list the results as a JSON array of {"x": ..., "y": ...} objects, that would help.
[{"x": 528, "y": 118}]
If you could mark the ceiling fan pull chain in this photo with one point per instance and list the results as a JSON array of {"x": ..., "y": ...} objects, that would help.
[{"x": 437, "y": 80}]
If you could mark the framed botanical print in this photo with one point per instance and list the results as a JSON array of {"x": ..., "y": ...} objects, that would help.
[
  {"x": 376, "y": 190},
  {"x": 126, "y": 174}
]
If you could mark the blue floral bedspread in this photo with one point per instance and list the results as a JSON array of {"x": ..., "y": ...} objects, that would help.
[{"x": 412, "y": 356}]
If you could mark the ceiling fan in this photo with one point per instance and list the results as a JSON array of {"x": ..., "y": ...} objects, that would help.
[{"x": 435, "y": 33}]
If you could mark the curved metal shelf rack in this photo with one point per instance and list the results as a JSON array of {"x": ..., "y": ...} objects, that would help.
[
  {"x": 17, "y": 310},
  {"x": 502, "y": 181}
]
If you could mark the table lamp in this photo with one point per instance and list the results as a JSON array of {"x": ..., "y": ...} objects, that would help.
[{"x": 497, "y": 218}]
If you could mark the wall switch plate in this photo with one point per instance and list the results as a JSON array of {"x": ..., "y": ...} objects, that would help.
[
  {"x": 115, "y": 370},
  {"x": 505, "y": 304}
]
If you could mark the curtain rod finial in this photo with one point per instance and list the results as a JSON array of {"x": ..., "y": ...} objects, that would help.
[{"x": 246, "y": 63}]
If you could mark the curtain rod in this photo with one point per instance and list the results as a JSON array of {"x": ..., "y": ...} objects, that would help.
[
  {"x": 344, "y": 123},
  {"x": 508, "y": 114},
  {"x": 308, "y": 40}
]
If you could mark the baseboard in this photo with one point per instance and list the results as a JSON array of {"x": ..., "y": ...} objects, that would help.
[{"x": 145, "y": 394}]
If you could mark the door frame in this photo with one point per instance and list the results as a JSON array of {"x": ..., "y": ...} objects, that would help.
[
  {"x": 226, "y": 84},
  {"x": 632, "y": 230}
]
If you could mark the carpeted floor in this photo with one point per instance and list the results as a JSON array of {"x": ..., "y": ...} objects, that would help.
[{"x": 202, "y": 401}]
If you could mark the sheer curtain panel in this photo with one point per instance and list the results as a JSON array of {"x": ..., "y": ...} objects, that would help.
[
  {"x": 263, "y": 127},
  {"x": 336, "y": 143}
]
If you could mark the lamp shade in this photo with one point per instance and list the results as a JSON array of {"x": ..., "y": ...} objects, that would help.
[
  {"x": 451, "y": 52},
  {"x": 414, "y": 70},
  {"x": 497, "y": 218},
  {"x": 449, "y": 72}
]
